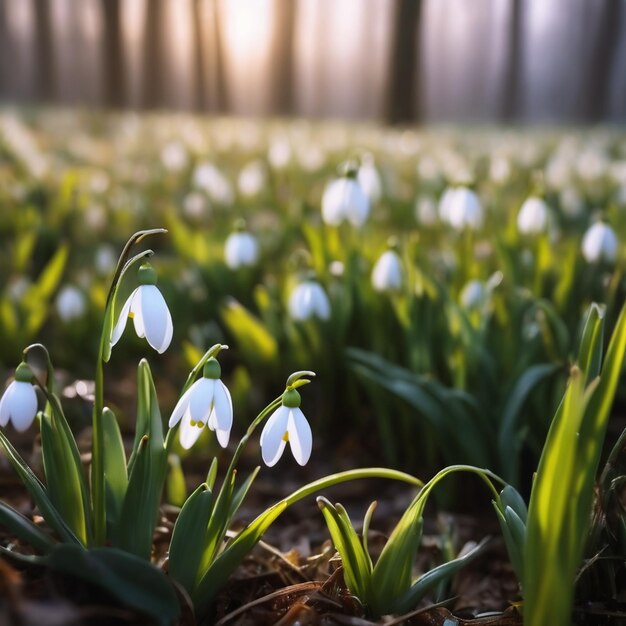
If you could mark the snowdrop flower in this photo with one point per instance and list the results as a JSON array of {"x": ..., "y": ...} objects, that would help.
[
  {"x": 369, "y": 179},
  {"x": 533, "y": 215},
  {"x": 174, "y": 156},
  {"x": 279, "y": 153},
  {"x": 251, "y": 179},
  {"x": 70, "y": 303},
  {"x": 309, "y": 300},
  {"x": 426, "y": 210},
  {"x": 206, "y": 402},
  {"x": 286, "y": 424},
  {"x": 208, "y": 178},
  {"x": 19, "y": 402},
  {"x": 387, "y": 273},
  {"x": 150, "y": 314},
  {"x": 463, "y": 210},
  {"x": 344, "y": 199},
  {"x": 600, "y": 244},
  {"x": 241, "y": 249},
  {"x": 105, "y": 259},
  {"x": 473, "y": 294},
  {"x": 445, "y": 202}
]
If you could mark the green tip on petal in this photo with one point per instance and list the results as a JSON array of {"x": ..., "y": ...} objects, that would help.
[
  {"x": 291, "y": 399},
  {"x": 147, "y": 275},
  {"x": 23, "y": 373},
  {"x": 212, "y": 369}
]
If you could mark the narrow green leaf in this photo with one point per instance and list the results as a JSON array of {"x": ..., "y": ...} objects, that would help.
[
  {"x": 227, "y": 562},
  {"x": 62, "y": 477},
  {"x": 241, "y": 493},
  {"x": 433, "y": 577},
  {"x": 176, "y": 489},
  {"x": 188, "y": 537},
  {"x": 356, "y": 565},
  {"x": 253, "y": 339},
  {"x": 115, "y": 475},
  {"x": 25, "y": 529},
  {"x": 509, "y": 439},
  {"x": 38, "y": 493},
  {"x": 133, "y": 582},
  {"x": 590, "y": 350}
]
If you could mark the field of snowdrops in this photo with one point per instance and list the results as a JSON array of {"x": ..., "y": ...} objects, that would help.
[{"x": 454, "y": 295}]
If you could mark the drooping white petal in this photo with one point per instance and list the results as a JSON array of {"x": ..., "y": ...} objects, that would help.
[
  {"x": 188, "y": 434},
  {"x": 201, "y": 400},
  {"x": 533, "y": 215},
  {"x": 300, "y": 436},
  {"x": 358, "y": 204},
  {"x": 223, "y": 405},
  {"x": 333, "y": 203},
  {"x": 272, "y": 442},
  {"x": 155, "y": 317},
  {"x": 387, "y": 273},
  {"x": 299, "y": 303},
  {"x": 181, "y": 406},
  {"x": 137, "y": 312},
  {"x": 4, "y": 405},
  {"x": 122, "y": 319},
  {"x": 319, "y": 303},
  {"x": 600, "y": 243},
  {"x": 222, "y": 436},
  {"x": 22, "y": 405}
]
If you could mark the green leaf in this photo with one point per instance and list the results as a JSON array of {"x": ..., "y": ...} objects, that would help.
[
  {"x": 433, "y": 577},
  {"x": 38, "y": 492},
  {"x": 509, "y": 439},
  {"x": 131, "y": 581},
  {"x": 227, "y": 562},
  {"x": 115, "y": 475},
  {"x": 241, "y": 492},
  {"x": 25, "y": 529},
  {"x": 391, "y": 577},
  {"x": 176, "y": 489},
  {"x": 188, "y": 537},
  {"x": 590, "y": 350},
  {"x": 252, "y": 337},
  {"x": 63, "y": 478},
  {"x": 357, "y": 567}
]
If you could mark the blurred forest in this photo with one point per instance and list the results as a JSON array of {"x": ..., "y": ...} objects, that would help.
[{"x": 398, "y": 60}]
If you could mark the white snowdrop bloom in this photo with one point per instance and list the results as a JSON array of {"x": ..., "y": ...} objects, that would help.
[
  {"x": 426, "y": 210},
  {"x": 241, "y": 250},
  {"x": 599, "y": 243},
  {"x": 344, "y": 199},
  {"x": 208, "y": 178},
  {"x": 252, "y": 179},
  {"x": 174, "y": 156},
  {"x": 71, "y": 303},
  {"x": 473, "y": 294},
  {"x": 445, "y": 203},
  {"x": 149, "y": 311},
  {"x": 464, "y": 210},
  {"x": 206, "y": 403},
  {"x": 500, "y": 170},
  {"x": 286, "y": 424},
  {"x": 387, "y": 272},
  {"x": 533, "y": 216},
  {"x": 194, "y": 205},
  {"x": 279, "y": 153},
  {"x": 309, "y": 300},
  {"x": 571, "y": 202},
  {"x": 369, "y": 179},
  {"x": 105, "y": 259},
  {"x": 19, "y": 402}
]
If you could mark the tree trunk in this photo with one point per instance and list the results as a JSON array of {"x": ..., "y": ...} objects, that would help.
[
  {"x": 113, "y": 62},
  {"x": 510, "y": 81},
  {"x": 44, "y": 52},
  {"x": 402, "y": 97},
  {"x": 199, "y": 79},
  {"x": 282, "y": 57},
  {"x": 152, "y": 84},
  {"x": 596, "y": 83}
]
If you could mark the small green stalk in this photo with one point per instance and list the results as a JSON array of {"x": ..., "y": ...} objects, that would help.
[{"x": 98, "y": 495}]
